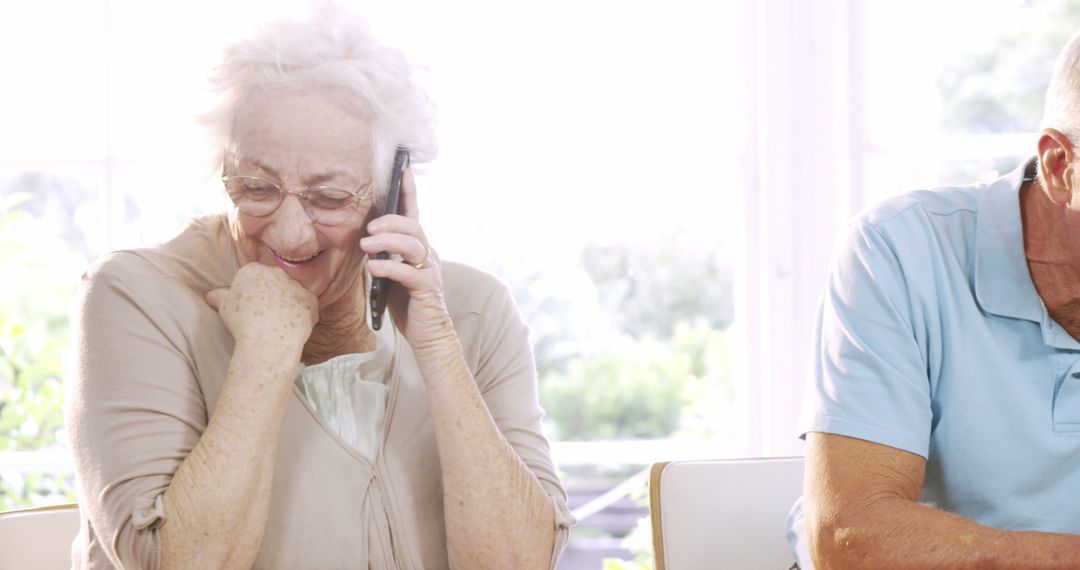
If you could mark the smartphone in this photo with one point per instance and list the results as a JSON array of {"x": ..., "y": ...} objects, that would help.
[{"x": 381, "y": 285}]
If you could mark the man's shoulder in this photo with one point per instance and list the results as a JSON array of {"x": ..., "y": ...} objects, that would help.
[{"x": 933, "y": 205}]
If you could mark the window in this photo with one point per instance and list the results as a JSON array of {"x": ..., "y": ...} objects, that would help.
[
  {"x": 593, "y": 156},
  {"x": 963, "y": 107}
]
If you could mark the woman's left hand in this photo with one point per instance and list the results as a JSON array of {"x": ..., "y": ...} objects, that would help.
[{"x": 416, "y": 300}]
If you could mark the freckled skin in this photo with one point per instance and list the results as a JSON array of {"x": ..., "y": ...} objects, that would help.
[{"x": 256, "y": 315}]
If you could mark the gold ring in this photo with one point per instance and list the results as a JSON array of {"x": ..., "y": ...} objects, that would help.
[{"x": 423, "y": 262}]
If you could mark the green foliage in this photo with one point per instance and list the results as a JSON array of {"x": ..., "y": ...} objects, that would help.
[
  {"x": 1001, "y": 89},
  {"x": 641, "y": 390},
  {"x": 36, "y": 489},
  {"x": 34, "y": 320},
  {"x": 638, "y": 541},
  {"x": 650, "y": 289},
  {"x": 631, "y": 344},
  {"x": 635, "y": 564},
  {"x": 630, "y": 395},
  {"x": 550, "y": 302},
  {"x": 31, "y": 390}
]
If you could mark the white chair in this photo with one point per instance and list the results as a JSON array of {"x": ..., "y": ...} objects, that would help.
[
  {"x": 38, "y": 538},
  {"x": 723, "y": 514}
]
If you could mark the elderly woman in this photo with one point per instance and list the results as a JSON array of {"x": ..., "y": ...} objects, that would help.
[{"x": 231, "y": 404}]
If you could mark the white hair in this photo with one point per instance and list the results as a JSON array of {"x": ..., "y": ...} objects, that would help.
[
  {"x": 332, "y": 48},
  {"x": 1062, "y": 111}
]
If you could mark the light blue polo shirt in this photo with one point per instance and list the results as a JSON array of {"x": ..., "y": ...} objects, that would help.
[{"x": 931, "y": 338}]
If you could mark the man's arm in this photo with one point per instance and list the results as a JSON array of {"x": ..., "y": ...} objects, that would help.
[{"x": 862, "y": 512}]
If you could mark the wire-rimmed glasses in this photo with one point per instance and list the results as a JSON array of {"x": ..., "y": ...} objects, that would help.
[{"x": 325, "y": 205}]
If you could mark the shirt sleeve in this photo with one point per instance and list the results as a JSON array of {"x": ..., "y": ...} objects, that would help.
[
  {"x": 506, "y": 375},
  {"x": 134, "y": 408},
  {"x": 869, "y": 376}
]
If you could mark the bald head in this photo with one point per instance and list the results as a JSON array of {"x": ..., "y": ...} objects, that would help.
[{"x": 1062, "y": 111}]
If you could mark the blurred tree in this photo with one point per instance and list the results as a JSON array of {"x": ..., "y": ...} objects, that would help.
[
  {"x": 1001, "y": 89},
  {"x": 646, "y": 389},
  {"x": 629, "y": 343},
  {"x": 34, "y": 308},
  {"x": 649, "y": 289},
  {"x": 560, "y": 307},
  {"x": 638, "y": 541},
  {"x": 56, "y": 201}
]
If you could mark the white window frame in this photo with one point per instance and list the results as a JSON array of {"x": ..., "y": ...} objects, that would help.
[{"x": 803, "y": 156}]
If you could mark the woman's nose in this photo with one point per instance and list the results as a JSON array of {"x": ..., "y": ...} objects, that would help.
[{"x": 292, "y": 226}]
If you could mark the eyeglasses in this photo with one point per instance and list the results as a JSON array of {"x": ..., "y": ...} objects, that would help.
[{"x": 260, "y": 197}]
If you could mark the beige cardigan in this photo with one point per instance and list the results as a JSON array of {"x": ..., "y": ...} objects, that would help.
[{"x": 150, "y": 359}]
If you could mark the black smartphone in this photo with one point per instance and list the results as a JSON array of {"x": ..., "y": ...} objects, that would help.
[{"x": 381, "y": 285}]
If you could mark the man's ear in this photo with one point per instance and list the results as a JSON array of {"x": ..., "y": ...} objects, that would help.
[{"x": 1056, "y": 166}]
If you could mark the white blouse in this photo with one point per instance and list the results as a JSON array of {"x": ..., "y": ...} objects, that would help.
[{"x": 349, "y": 392}]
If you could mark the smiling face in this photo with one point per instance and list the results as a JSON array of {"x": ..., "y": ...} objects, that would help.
[{"x": 300, "y": 139}]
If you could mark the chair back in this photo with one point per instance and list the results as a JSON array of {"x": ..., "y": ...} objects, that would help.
[
  {"x": 38, "y": 538},
  {"x": 723, "y": 514}
]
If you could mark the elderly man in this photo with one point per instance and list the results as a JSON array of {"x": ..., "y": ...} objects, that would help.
[{"x": 943, "y": 413}]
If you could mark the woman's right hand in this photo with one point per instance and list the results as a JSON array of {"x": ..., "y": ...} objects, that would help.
[{"x": 265, "y": 304}]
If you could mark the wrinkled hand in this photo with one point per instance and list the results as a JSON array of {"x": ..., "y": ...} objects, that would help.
[
  {"x": 265, "y": 305},
  {"x": 416, "y": 299}
]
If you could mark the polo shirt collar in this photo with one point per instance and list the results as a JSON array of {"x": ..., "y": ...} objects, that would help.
[{"x": 1002, "y": 282}]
